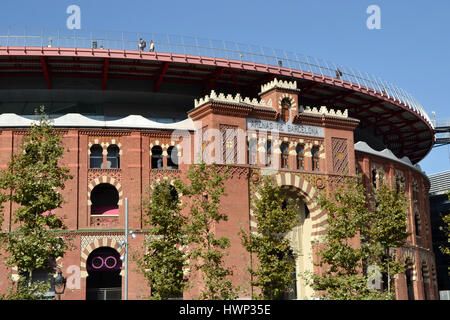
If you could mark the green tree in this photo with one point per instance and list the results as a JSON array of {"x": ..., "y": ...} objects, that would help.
[
  {"x": 33, "y": 180},
  {"x": 207, "y": 252},
  {"x": 164, "y": 260},
  {"x": 379, "y": 222},
  {"x": 384, "y": 227},
  {"x": 276, "y": 216}
]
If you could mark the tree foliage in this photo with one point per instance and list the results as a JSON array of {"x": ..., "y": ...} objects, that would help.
[
  {"x": 446, "y": 230},
  {"x": 164, "y": 260},
  {"x": 275, "y": 216},
  {"x": 33, "y": 180},
  {"x": 207, "y": 252},
  {"x": 379, "y": 222}
]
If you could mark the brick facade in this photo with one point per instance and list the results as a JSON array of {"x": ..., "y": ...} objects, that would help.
[{"x": 328, "y": 157}]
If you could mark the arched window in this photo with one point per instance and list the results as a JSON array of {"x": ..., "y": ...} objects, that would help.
[
  {"x": 300, "y": 157},
  {"x": 96, "y": 157},
  {"x": 374, "y": 178},
  {"x": 409, "y": 283},
  {"x": 269, "y": 153},
  {"x": 172, "y": 158},
  {"x": 425, "y": 280},
  {"x": 113, "y": 157},
  {"x": 104, "y": 199},
  {"x": 417, "y": 220},
  {"x": 42, "y": 275},
  {"x": 252, "y": 152},
  {"x": 284, "y": 148},
  {"x": 157, "y": 158},
  {"x": 285, "y": 109},
  {"x": 315, "y": 159}
]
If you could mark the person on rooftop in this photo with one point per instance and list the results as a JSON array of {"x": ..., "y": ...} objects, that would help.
[
  {"x": 152, "y": 46},
  {"x": 141, "y": 45}
]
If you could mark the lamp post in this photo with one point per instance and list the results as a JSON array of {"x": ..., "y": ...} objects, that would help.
[
  {"x": 125, "y": 245},
  {"x": 126, "y": 248},
  {"x": 60, "y": 284}
]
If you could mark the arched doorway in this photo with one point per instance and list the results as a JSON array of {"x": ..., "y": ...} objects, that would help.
[
  {"x": 104, "y": 281},
  {"x": 300, "y": 242}
]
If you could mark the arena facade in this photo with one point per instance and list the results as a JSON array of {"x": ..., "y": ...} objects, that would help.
[{"x": 131, "y": 117}]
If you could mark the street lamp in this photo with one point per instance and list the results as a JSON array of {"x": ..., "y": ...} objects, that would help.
[
  {"x": 60, "y": 284},
  {"x": 124, "y": 244}
]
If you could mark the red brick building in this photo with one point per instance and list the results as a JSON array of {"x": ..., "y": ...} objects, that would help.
[{"x": 129, "y": 118}]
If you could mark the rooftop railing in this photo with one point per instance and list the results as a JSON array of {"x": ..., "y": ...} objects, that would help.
[{"x": 32, "y": 37}]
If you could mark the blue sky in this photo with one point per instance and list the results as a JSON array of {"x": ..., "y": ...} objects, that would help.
[{"x": 412, "y": 49}]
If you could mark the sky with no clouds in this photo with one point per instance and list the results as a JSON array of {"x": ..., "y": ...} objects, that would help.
[{"x": 411, "y": 50}]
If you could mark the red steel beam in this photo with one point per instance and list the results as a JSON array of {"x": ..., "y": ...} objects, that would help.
[
  {"x": 346, "y": 95},
  {"x": 308, "y": 88},
  {"x": 161, "y": 76},
  {"x": 234, "y": 79},
  {"x": 105, "y": 73},
  {"x": 214, "y": 79},
  {"x": 46, "y": 72}
]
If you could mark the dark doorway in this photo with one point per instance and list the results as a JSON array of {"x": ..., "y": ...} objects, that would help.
[{"x": 104, "y": 281}]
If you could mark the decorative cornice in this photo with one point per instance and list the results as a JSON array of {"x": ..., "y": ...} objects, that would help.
[
  {"x": 157, "y": 134},
  {"x": 26, "y": 131},
  {"x": 104, "y": 133},
  {"x": 229, "y": 99},
  {"x": 324, "y": 112},
  {"x": 279, "y": 84}
]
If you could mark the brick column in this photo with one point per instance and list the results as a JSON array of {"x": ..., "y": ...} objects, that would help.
[
  {"x": 6, "y": 146},
  {"x": 71, "y": 191},
  {"x": 132, "y": 179},
  {"x": 83, "y": 161}
]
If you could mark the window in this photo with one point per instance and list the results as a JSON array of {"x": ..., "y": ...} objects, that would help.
[
  {"x": 285, "y": 109},
  {"x": 113, "y": 157},
  {"x": 399, "y": 182},
  {"x": 252, "y": 152},
  {"x": 284, "y": 155},
  {"x": 300, "y": 157},
  {"x": 42, "y": 275},
  {"x": 157, "y": 158},
  {"x": 374, "y": 178},
  {"x": 409, "y": 284},
  {"x": 96, "y": 157},
  {"x": 417, "y": 221},
  {"x": 104, "y": 198},
  {"x": 172, "y": 158},
  {"x": 425, "y": 280},
  {"x": 269, "y": 153},
  {"x": 315, "y": 159}
]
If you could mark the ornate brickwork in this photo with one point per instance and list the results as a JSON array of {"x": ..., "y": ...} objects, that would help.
[
  {"x": 214, "y": 97},
  {"x": 105, "y": 179},
  {"x": 159, "y": 174},
  {"x": 92, "y": 242},
  {"x": 324, "y": 111},
  {"x": 229, "y": 143},
  {"x": 104, "y": 221},
  {"x": 278, "y": 84},
  {"x": 94, "y": 174},
  {"x": 340, "y": 155},
  {"x": 307, "y": 190}
]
